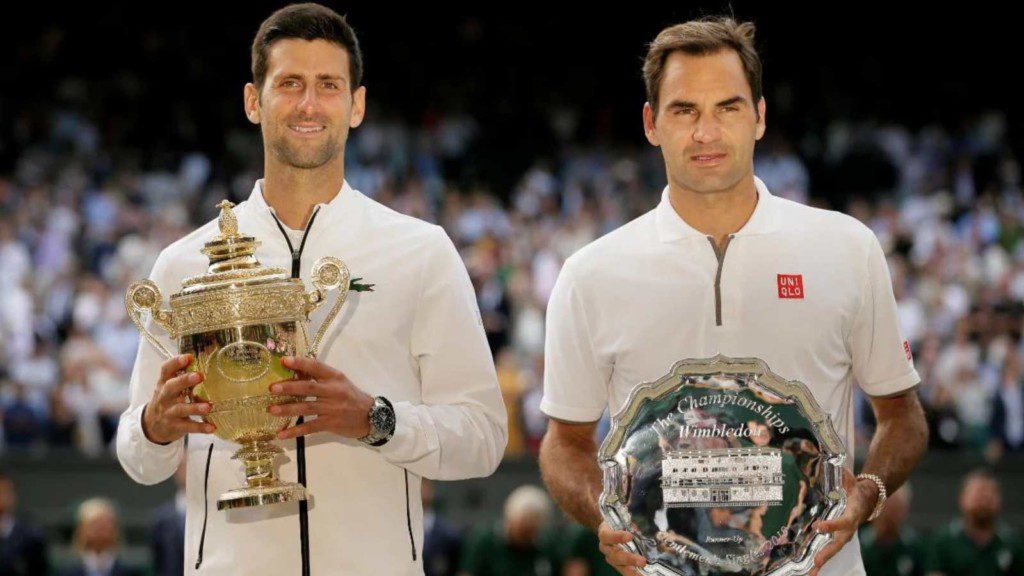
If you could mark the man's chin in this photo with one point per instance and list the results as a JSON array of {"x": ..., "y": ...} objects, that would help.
[
  {"x": 709, "y": 183},
  {"x": 304, "y": 160}
]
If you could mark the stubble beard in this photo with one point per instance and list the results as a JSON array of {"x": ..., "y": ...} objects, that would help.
[
  {"x": 305, "y": 157},
  {"x": 708, "y": 183}
]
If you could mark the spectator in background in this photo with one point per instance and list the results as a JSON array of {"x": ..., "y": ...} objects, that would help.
[
  {"x": 514, "y": 384},
  {"x": 519, "y": 545},
  {"x": 167, "y": 540},
  {"x": 977, "y": 544},
  {"x": 888, "y": 546},
  {"x": 38, "y": 375},
  {"x": 23, "y": 424},
  {"x": 441, "y": 542},
  {"x": 22, "y": 546},
  {"x": 96, "y": 541},
  {"x": 1007, "y": 425}
]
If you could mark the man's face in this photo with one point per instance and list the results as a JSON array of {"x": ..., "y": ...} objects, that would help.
[
  {"x": 980, "y": 500},
  {"x": 760, "y": 433},
  {"x": 705, "y": 109},
  {"x": 306, "y": 106},
  {"x": 522, "y": 530},
  {"x": 99, "y": 533}
]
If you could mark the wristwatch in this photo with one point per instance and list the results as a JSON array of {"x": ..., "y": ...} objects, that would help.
[
  {"x": 881, "y": 494},
  {"x": 382, "y": 422}
]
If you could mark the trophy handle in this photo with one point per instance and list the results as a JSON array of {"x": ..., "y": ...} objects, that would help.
[
  {"x": 329, "y": 273},
  {"x": 144, "y": 295}
]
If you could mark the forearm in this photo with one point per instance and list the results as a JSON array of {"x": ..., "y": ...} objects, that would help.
[
  {"x": 573, "y": 478},
  {"x": 900, "y": 441}
]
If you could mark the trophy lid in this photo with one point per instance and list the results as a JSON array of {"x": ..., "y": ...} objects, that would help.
[{"x": 232, "y": 259}]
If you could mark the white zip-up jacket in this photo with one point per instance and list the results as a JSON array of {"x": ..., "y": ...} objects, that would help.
[{"x": 416, "y": 339}]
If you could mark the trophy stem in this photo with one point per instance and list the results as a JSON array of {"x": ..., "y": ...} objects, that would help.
[
  {"x": 262, "y": 486},
  {"x": 258, "y": 456}
]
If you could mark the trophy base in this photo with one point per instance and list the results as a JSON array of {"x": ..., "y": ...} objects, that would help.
[{"x": 261, "y": 495}]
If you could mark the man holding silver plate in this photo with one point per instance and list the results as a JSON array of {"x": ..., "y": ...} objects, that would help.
[
  {"x": 724, "y": 331},
  {"x": 310, "y": 449}
]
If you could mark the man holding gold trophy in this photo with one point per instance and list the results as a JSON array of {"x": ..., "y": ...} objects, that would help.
[
  {"x": 764, "y": 312},
  {"x": 313, "y": 402}
]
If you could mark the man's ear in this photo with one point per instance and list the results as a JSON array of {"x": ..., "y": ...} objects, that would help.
[
  {"x": 761, "y": 126},
  {"x": 251, "y": 102},
  {"x": 358, "y": 107},
  {"x": 649, "y": 130}
]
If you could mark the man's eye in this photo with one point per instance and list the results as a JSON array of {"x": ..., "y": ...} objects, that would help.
[
  {"x": 289, "y": 83},
  {"x": 331, "y": 85},
  {"x": 730, "y": 108}
]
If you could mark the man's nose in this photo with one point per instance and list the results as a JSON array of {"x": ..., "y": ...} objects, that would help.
[
  {"x": 707, "y": 128},
  {"x": 309, "y": 101}
]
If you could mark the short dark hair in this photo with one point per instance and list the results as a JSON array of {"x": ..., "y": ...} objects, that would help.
[
  {"x": 702, "y": 37},
  {"x": 307, "y": 21}
]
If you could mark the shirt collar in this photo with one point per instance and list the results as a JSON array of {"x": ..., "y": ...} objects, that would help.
[
  {"x": 342, "y": 199},
  {"x": 672, "y": 227}
]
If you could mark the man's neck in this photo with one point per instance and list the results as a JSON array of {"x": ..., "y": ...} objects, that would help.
[
  {"x": 293, "y": 192},
  {"x": 716, "y": 214}
]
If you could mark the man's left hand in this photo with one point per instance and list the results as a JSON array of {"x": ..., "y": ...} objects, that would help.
[
  {"x": 339, "y": 406},
  {"x": 861, "y": 497}
]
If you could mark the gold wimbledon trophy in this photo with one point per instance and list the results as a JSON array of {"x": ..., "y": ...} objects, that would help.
[{"x": 238, "y": 320}]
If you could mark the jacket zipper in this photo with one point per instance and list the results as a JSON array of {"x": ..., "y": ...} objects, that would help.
[
  {"x": 206, "y": 507},
  {"x": 720, "y": 255},
  {"x": 408, "y": 516},
  {"x": 300, "y": 442}
]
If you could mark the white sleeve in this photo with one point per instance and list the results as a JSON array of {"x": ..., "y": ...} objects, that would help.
[
  {"x": 575, "y": 380},
  {"x": 882, "y": 363},
  {"x": 461, "y": 428},
  {"x": 147, "y": 462}
]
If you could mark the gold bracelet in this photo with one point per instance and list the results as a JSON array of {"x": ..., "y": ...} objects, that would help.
[{"x": 881, "y": 494}]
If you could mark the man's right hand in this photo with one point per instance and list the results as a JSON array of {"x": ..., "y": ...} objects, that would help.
[
  {"x": 625, "y": 562},
  {"x": 166, "y": 417}
]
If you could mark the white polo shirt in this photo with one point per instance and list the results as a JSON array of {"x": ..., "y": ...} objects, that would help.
[{"x": 806, "y": 290}]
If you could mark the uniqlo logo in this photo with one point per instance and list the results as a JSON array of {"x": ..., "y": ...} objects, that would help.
[
  {"x": 791, "y": 286},
  {"x": 906, "y": 349}
]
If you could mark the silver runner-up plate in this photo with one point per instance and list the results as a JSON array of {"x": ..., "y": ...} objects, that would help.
[{"x": 722, "y": 467}]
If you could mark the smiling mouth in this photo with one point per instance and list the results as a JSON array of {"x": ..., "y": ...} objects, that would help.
[{"x": 307, "y": 129}]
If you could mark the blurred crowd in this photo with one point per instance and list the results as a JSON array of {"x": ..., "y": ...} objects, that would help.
[
  {"x": 76, "y": 227},
  {"x": 527, "y": 539}
]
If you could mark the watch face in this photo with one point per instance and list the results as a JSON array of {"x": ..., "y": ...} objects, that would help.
[{"x": 383, "y": 419}]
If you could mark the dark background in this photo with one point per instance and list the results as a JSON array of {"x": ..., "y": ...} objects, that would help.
[{"x": 167, "y": 79}]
